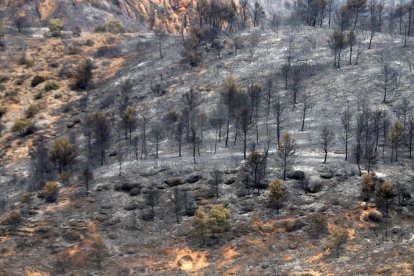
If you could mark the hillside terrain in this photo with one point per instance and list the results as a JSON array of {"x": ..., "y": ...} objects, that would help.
[
  {"x": 136, "y": 15},
  {"x": 122, "y": 152}
]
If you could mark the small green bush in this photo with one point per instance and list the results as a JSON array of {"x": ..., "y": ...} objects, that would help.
[
  {"x": 26, "y": 197},
  {"x": 32, "y": 111},
  {"x": 37, "y": 80},
  {"x": 115, "y": 26},
  {"x": 51, "y": 85},
  {"x": 38, "y": 95},
  {"x": 100, "y": 29},
  {"x": 77, "y": 32},
  {"x": 14, "y": 218},
  {"x": 1, "y": 29},
  {"x": 50, "y": 191},
  {"x": 55, "y": 26},
  {"x": 3, "y": 111},
  {"x": 23, "y": 127},
  {"x": 89, "y": 43},
  {"x": 26, "y": 60}
]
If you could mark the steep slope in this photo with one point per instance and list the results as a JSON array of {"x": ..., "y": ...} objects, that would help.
[{"x": 89, "y": 13}]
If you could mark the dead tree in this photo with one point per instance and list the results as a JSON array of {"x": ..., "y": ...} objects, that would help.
[
  {"x": 346, "y": 119},
  {"x": 352, "y": 41},
  {"x": 157, "y": 134},
  {"x": 87, "y": 176},
  {"x": 337, "y": 43},
  {"x": 256, "y": 166},
  {"x": 410, "y": 134},
  {"x": 286, "y": 152},
  {"x": 388, "y": 77},
  {"x": 152, "y": 199},
  {"x": 279, "y": 108},
  {"x": 244, "y": 122},
  {"x": 216, "y": 180},
  {"x": 41, "y": 165},
  {"x": 306, "y": 104},
  {"x": 327, "y": 137},
  {"x": 297, "y": 76},
  {"x": 253, "y": 42},
  {"x": 101, "y": 131},
  {"x": 176, "y": 197}
]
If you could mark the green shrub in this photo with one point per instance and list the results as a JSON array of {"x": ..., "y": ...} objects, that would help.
[
  {"x": 3, "y": 111},
  {"x": 55, "y": 26},
  {"x": 26, "y": 60},
  {"x": 107, "y": 51},
  {"x": 89, "y": 43},
  {"x": 31, "y": 111},
  {"x": 26, "y": 197},
  {"x": 50, "y": 191},
  {"x": 23, "y": 127},
  {"x": 100, "y": 29},
  {"x": 51, "y": 85},
  {"x": 77, "y": 32},
  {"x": 115, "y": 26},
  {"x": 82, "y": 74},
  {"x": 37, "y": 80},
  {"x": 1, "y": 29},
  {"x": 38, "y": 95},
  {"x": 14, "y": 218}
]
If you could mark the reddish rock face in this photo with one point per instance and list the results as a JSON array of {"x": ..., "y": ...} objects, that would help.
[{"x": 70, "y": 11}]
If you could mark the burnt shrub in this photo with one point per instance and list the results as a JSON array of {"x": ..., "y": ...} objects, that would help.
[
  {"x": 51, "y": 85},
  {"x": 108, "y": 52},
  {"x": 82, "y": 75},
  {"x": 37, "y": 80}
]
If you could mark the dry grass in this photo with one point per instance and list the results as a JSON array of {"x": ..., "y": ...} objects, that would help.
[{"x": 43, "y": 53}]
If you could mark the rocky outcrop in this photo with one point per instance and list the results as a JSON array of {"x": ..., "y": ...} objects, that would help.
[
  {"x": 47, "y": 8},
  {"x": 89, "y": 13}
]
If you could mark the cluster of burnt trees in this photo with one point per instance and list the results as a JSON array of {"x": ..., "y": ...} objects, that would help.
[
  {"x": 369, "y": 15},
  {"x": 250, "y": 117},
  {"x": 373, "y": 130}
]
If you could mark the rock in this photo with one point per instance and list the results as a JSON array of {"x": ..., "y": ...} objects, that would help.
[
  {"x": 326, "y": 175},
  {"x": 293, "y": 224},
  {"x": 102, "y": 187},
  {"x": 364, "y": 205},
  {"x": 101, "y": 217},
  {"x": 129, "y": 186},
  {"x": 149, "y": 172},
  {"x": 375, "y": 216},
  {"x": 396, "y": 230},
  {"x": 293, "y": 245},
  {"x": 230, "y": 181},
  {"x": 246, "y": 206},
  {"x": 113, "y": 221},
  {"x": 266, "y": 228},
  {"x": 106, "y": 206},
  {"x": 161, "y": 186},
  {"x": 42, "y": 124},
  {"x": 118, "y": 187},
  {"x": 241, "y": 192},
  {"x": 315, "y": 187},
  {"x": 131, "y": 206},
  {"x": 134, "y": 191},
  {"x": 181, "y": 262},
  {"x": 147, "y": 215},
  {"x": 193, "y": 178},
  {"x": 298, "y": 175},
  {"x": 174, "y": 181},
  {"x": 72, "y": 235},
  {"x": 203, "y": 193}
]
